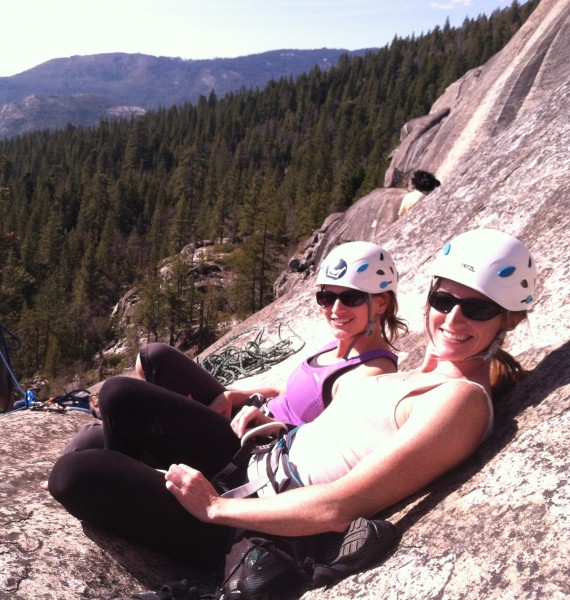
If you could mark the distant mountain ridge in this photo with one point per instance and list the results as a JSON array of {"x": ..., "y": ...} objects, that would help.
[{"x": 84, "y": 89}]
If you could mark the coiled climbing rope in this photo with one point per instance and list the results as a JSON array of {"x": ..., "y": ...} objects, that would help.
[{"x": 230, "y": 362}]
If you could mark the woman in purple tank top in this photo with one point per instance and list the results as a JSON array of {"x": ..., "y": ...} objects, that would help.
[
  {"x": 357, "y": 295},
  {"x": 357, "y": 284}
]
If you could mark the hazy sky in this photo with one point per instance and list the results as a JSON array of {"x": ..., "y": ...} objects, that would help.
[{"x": 34, "y": 31}]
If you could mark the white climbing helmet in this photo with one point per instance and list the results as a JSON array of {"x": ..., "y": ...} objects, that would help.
[
  {"x": 491, "y": 262},
  {"x": 361, "y": 266}
]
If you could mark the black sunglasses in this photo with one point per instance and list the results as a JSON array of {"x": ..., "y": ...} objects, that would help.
[
  {"x": 476, "y": 310},
  {"x": 350, "y": 298}
]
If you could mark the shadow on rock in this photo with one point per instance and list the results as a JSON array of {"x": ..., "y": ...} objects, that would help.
[{"x": 152, "y": 569}]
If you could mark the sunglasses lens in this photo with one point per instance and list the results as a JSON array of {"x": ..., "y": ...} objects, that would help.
[
  {"x": 443, "y": 303},
  {"x": 476, "y": 310},
  {"x": 350, "y": 298},
  {"x": 325, "y": 298}
]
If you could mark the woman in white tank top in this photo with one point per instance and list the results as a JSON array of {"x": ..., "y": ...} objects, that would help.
[{"x": 394, "y": 434}]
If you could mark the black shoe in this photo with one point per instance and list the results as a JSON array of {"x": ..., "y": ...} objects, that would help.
[{"x": 365, "y": 543}]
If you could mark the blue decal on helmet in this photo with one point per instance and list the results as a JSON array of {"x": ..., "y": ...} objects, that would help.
[
  {"x": 385, "y": 284},
  {"x": 447, "y": 249},
  {"x": 362, "y": 268},
  {"x": 506, "y": 271},
  {"x": 528, "y": 300}
]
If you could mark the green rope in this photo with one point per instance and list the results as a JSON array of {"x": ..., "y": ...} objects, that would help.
[{"x": 230, "y": 363}]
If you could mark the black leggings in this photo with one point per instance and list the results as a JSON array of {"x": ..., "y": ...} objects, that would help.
[
  {"x": 169, "y": 368},
  {"x": 117, "y": 487},
  {"x": 164, "y": 365}
]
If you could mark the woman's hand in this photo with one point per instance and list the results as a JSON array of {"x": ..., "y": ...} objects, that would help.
[
  {"x": 229, "y": 401},
  {"x": 247, "y": 417},
  {"x": 194, "y": 492}
]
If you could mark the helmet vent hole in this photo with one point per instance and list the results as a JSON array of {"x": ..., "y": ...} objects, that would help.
[
  {"x": 380, "y": 272},
  {"x": 524, "y": 283}
]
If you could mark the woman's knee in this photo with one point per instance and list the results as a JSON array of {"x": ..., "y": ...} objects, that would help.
[
  {"x": 151, "y": 357},
  {"x": 170, "y": 368},
  {"x": 117, "y": 391},
  {"x": 79, "y": 479},
  {"x": 67, "y": 477},
  {"x": 89, "y": 436}
]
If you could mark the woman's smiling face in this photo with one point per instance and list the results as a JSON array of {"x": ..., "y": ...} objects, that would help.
[
  {"x": 345, "y": 321},
  {"x": 454, "y": 335}
]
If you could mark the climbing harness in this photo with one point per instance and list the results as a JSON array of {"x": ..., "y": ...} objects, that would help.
[
  {"x": 261, "y": 566},
  {"x": 268, "y": 445},
  {"x": 230, "y": 363}
]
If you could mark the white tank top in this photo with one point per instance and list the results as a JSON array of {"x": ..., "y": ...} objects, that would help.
[
  {"x": 353, "y": 426},
  {"x": 357, "y": 425}
]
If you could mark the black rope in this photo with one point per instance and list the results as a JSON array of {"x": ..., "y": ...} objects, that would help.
[{"x": 229, "y": 363}]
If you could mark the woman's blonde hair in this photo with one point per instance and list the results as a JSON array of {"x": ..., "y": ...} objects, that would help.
[{"x": 505, "y": 371}]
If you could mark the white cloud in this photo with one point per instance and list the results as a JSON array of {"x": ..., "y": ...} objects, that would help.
[{"x": 450, "y": 5}]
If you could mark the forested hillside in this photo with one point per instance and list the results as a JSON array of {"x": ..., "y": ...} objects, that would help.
[
  {"x": 82, "y": 90},
  {"x": 86, "y": 214}
]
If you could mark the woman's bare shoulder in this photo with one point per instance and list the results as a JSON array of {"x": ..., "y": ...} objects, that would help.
[
  {"x": 455, "y": 405},
  {"x": 456, "y": 394},
  {"x": 376, "y": 366}
]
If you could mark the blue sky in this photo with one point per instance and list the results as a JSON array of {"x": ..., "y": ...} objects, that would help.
[{"x": 34, "y": 31}]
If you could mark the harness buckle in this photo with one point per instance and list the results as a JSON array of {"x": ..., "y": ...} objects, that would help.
[{"x": 271, "y": 429}]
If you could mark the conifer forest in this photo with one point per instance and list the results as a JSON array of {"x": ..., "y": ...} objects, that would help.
[{"x": 89, "y": 213}]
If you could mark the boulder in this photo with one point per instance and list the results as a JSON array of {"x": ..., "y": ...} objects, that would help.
[{"x": 499, "y": 525}]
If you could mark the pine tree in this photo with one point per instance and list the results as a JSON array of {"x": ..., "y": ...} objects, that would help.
[
  {"x": 179, "y": 296},
  {"x": 151, "y": 314}
]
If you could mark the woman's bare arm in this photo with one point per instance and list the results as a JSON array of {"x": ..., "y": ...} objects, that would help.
[{"x": 443, "y": 429}]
